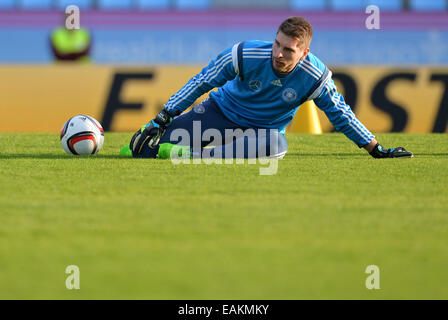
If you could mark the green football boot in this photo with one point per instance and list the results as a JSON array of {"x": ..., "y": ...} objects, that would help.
[
  {"x": 168, "y": 149},
  {"x": 125, "y": 151}
]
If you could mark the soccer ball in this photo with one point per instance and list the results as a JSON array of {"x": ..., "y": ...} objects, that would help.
[{"x": 82, "y": 135}]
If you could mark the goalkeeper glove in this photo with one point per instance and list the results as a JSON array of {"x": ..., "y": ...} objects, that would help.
[
  {"x": 399, "y": 152},
  {"x": 151, "y": 132}
]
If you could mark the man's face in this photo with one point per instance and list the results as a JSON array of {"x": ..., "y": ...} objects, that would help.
[{"x": 286, "y": 53}]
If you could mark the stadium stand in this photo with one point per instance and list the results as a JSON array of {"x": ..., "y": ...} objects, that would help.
[
  {"x": 425, "y": 5},
  {"x": 248, "y": 4},
  {"x": 153, "y": 4},
  {"x": 309, "y": 4},
  {"x": 82, "y": 4},
  {"x": 347, "y": 5},
  {"x": 145, "y": 35},
  {"x": 387, "y": 5},
  {"x": 115, "y": 4},
  {"x": 192, "y": 4},
  {"x": 186, "y": 5},
  {"x": 36, "y": 4},
  {"x": 7, "y": 4}
]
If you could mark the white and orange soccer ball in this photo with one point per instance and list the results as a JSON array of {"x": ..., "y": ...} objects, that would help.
[{"x": 82, "y": 135}]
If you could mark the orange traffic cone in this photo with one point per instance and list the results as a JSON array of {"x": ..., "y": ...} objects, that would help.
[{"x": 306, "y": 119}]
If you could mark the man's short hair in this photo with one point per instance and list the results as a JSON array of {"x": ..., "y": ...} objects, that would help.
[{"x": 297, "y": 27}]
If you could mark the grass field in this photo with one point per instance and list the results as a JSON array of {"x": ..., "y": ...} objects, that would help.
[{"x": 148, "y": 229}]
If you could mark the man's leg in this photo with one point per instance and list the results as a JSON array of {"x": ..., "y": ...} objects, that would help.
[
  {"x": 249, "y": 144},
  {"x": 200, "y": 118}
]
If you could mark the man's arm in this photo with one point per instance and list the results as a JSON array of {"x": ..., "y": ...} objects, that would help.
[
  {"x": 216, "y": 74},
  {"x": 344, "y": 120},
  {"x": 342, "y": 117}
]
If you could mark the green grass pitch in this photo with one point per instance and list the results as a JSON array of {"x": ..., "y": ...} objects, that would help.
[{"x": 148, "y": 229}]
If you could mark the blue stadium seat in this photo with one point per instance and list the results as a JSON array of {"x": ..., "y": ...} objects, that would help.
[
  {"x": 348, "y": 5},
  {"x": 153, "y": 4},
  {"x": 7, "y": 4},
  {"x": 308, "y": 4},
  {"x": 192, "y": 4},
  {"x": 115, "y": 4},
  {"x": 387, "y": 5},
  {"x": 82, "y": 4},
  {"x": 427, "y": 5},
  {"x": 35, "y": 4}
]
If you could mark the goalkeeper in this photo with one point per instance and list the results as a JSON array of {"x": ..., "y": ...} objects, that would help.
[{"x": 261, "y": 86}]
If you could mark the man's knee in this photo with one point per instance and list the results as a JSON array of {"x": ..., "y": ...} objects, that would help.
[
  {"x": 283, "y": 146},
  {"x": 278, "y": 145}
]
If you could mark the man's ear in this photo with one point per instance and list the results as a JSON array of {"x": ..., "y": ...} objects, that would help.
[{"x": 305, "y": 53}]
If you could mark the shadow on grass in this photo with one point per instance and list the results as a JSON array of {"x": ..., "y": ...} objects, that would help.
[
  {"x": 297, "y": 154},
  {"x": 300, "y": 154},
  {"x": 430, "y": 154},
  {"x": 102, "y": 156},
  {"x": 60, "y": 157},
  {"x": 68, "y": 157}
]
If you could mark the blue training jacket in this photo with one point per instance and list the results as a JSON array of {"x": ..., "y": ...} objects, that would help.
[{"x": 252, "y": 95}]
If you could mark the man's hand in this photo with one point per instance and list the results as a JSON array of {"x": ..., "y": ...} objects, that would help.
[
  {"x": 399, "y": 152},
  {"x": 151, "y": 132}
]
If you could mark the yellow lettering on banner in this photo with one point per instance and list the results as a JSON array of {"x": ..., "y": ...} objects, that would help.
[
  {"x": 154, "y": 93},
  {"x": 42, "y": 98},
  {"x": 411, "y": 90},
  {"x": 422, "y": 100}
]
